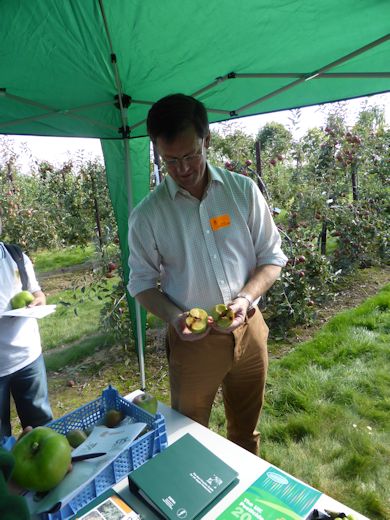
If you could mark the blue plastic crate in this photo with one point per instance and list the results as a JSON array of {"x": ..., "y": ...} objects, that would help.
[{"x": 144, "y": 448}]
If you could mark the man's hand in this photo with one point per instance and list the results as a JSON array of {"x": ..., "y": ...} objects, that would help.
[
  {"x": 240, "y": 308},
  {"x": 179, "y": 323},
  {"x": 39, "y": 299}
]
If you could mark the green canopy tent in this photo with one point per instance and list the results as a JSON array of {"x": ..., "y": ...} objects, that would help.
[{"x": 92, "y": 68}]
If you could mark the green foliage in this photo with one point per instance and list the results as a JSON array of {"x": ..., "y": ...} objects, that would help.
[{"x": 56, "y": 207}]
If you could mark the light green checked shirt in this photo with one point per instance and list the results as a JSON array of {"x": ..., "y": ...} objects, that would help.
[{"x": 202, "y": 252}]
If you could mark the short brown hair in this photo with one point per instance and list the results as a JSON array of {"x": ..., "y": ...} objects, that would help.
[{"x": 175, "y": 113}]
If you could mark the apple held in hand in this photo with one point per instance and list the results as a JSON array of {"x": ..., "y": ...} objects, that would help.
[
  {"x": 146, "y": 401},
  {"x": 22, "y": 299},
  {"x": 222, "y": 315},
  {"x": 42, "y": 458},
  {"x": 197, "y": 320}
]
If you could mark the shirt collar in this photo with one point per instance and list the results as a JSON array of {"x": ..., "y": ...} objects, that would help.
[{"x": 174, "y": 188}]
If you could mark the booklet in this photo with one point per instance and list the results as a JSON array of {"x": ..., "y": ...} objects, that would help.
[
  {"x": 39, "y": 311},
  {"x": 183, "y": 481},
  {"x": 108, "y": 506},
  {"x": 274, "y": 495}
]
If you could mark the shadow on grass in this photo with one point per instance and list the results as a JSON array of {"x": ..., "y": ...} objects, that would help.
[{"x": 76, "y": 352}]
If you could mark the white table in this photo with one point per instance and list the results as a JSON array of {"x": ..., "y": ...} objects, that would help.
[{"x": 247, "y": 465}]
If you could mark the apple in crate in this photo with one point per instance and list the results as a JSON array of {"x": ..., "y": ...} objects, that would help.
[
  {"x": 42, "y": 459},
  {"x": 146, "y": 401}
]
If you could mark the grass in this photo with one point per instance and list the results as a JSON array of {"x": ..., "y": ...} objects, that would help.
[
  {"x": 326, "y": 418},
  {"x": 59, "y": 258},
  {"x": 87, "y": 347},
  {"x": 65, "y": 326}
]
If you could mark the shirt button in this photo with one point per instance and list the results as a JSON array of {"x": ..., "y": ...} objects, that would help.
[
  {"x": 222, "y": 282},
  {"x": 208, "y": 231},
  {"x": 215, "y": 256}
]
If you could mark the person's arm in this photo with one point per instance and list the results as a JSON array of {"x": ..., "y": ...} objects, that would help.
[
  {"x": 258, "y": 284},
  {"x": 39, "y": 299},
  {"x": 161, "y": 306}
]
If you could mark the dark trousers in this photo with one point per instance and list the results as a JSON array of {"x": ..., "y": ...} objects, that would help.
[
  {"x": 238, "y": 362},
  {"x": 28, "y": 387}
]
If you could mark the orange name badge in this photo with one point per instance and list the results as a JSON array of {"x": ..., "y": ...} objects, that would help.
[{"x": 219, "y": 222}]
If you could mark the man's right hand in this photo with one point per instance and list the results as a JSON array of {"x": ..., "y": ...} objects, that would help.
[{"x": 179, "y": 323}]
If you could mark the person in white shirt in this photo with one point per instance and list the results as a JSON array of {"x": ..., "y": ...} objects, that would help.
[
  {"x": 205, "y": 236},
  {"x": 22, "y": 367}
]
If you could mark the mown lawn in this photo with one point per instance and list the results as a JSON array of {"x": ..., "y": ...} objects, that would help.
[{"x": 326, "y": 418}]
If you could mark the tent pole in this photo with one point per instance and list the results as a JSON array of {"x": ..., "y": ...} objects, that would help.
[
  {"x": 126, "y": 138},
  {"x": 138, "y": 318}
]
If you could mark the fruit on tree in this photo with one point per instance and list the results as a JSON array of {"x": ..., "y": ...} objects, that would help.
[
  {"x": 21, "y": 299},
  {"x": 42, "y": 459},
  {"x": 222, "y": 315},
  {"x": 112, "y": 266},
  {"x": 147, "y": 402},
  {"x": 197, "y": 320}
]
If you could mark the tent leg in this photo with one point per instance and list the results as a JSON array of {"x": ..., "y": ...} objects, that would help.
[{"x": 140, "y": 346}]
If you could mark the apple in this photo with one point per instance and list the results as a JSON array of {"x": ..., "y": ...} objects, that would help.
[
  {"x": 76, "y": 437},
  {"x": 42, "y": 459},
  {"x": 112, "y": 266},
  {"x": 197, "y": 320},
  {"x": 22, "y": 299},
  {"x": 146, "y": 401},
  {"x": 222, "y": 315},
  {"x": 112, "y": 418}
]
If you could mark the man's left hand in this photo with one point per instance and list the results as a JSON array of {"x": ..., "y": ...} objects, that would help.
[{"x": 240, "y": 308}]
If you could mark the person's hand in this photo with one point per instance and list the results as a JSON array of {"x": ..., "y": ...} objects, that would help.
[
  {"x": 240, "y": 308},
  {"x": 39, "y": 299},
  {"x": 179, "y": 323}
]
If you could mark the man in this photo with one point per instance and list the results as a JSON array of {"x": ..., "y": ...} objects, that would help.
[
  {"x": 207, "y": 236},
  {"x": 22, "y": 368}
]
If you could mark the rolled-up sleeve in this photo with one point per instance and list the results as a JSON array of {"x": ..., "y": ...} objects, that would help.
[
  {"x": 33, "y": 285},
  {"x": 144, "y": 258}
]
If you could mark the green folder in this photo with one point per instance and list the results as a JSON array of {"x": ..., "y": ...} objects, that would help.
[{"x": 183, "y": 481}]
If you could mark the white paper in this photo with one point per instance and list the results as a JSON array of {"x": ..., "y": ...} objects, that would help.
[{"x": 39, "y": 311}]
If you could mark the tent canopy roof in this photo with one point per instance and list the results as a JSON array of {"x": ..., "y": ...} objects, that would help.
[{"x": 63, "y": 62}]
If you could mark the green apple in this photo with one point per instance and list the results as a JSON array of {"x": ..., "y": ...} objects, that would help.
[
  {"x": 196, "y": 320},
  {"x": 76, "y": 437},
  {"x": 112, "y": 418},
  {"x": 22, "y": 299},
  {"x": 222, "y": 315},
  {"x": 146, "y": 401},
  {"x": 42, "y": 458}
]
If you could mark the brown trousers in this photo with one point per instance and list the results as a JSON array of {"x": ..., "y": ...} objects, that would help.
[{"x": 237, "y": 361}]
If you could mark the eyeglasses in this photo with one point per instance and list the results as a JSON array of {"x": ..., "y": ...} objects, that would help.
[{"x": 188, "y": 160}]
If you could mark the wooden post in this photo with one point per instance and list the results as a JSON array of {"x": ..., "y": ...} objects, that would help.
[
  {"x": 258, "y": 167},
  {"x": 323, "y": 237},
  {"x": 354, "y": 175}
]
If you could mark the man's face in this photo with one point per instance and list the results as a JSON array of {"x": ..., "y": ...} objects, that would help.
[{"x": 185, "y": 159}]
